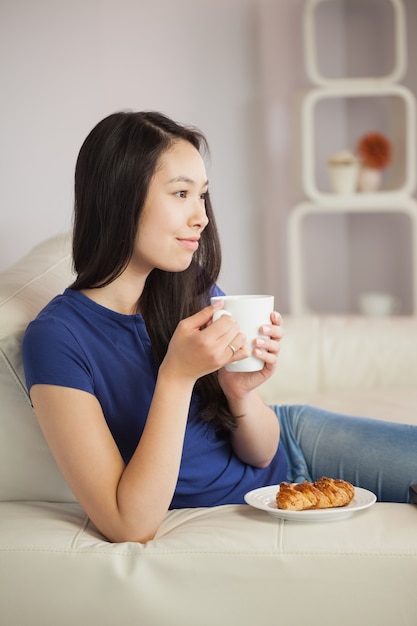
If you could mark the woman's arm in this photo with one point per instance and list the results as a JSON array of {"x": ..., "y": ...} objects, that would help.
[
  {"x": 256, "y": 438},
  {"x": 128, "y": 503}
]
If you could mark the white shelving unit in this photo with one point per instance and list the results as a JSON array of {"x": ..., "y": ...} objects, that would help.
[{"x": 399, "y": 200}]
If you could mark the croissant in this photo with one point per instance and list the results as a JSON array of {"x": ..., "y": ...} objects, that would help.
[{"x": 324, "y": 493}]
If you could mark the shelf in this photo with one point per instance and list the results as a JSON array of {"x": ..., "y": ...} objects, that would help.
[
  {"x": 310, "y": 49},
  {"x": 349, "y": 90},
  {"x": 403, "y": 204},
  {"x": 360, "y": 201}
]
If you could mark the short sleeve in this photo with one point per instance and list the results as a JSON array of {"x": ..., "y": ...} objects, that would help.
[
  {"x": 52, "y": 356},
  {"x": 216, "y": 291}
]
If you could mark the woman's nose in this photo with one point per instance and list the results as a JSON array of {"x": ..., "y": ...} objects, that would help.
[{"x": 199, "y": 218}]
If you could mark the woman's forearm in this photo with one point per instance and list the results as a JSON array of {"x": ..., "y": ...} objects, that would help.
[
  {"x": 256, "y": 438},
  {"x": 148, "y": 482}
]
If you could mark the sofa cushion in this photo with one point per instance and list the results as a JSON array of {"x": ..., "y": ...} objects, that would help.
[
  {"x": 27, "y": 469},
  {"x": 229, "y": 565}
]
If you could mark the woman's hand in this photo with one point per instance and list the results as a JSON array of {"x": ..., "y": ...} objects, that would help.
[
  {"x": 237, "y": 384},
  {"x": 199, "y": 347},
  {"x": 256, "y": 438}
]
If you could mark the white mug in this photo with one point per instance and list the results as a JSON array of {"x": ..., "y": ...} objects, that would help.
[{"x": 250, "y": 312}]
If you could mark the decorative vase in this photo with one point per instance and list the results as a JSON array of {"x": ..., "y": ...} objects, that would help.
[
  {"x": 343, "y": 177},
  {"x": 369, "y": 179}
]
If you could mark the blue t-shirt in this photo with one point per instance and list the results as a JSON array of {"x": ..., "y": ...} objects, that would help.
[{"x": 75, "y": 342}]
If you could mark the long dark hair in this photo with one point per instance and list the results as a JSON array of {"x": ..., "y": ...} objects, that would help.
[{"x": 112, "y": 176}]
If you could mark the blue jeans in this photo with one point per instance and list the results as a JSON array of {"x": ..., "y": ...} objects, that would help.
[{"x": 376, "y": 455}]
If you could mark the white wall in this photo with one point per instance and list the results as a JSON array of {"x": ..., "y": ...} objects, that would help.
[
  {"x": 65, "y": 65},
  {"x": 232, "y": 67}
]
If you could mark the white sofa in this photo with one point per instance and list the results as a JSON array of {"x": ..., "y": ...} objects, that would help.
[{"x": 229, "y": 565}]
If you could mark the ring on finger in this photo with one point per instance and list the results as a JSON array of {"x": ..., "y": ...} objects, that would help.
[{"x": 233, "y": 349}]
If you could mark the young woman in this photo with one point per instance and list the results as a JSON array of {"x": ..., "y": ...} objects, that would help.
[{"x": 125, "y": 369}]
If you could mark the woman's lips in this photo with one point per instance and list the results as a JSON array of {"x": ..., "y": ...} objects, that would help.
[{"x": 190, "y": 244}]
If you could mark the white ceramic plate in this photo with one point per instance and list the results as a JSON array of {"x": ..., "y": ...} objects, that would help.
[{"x": 264, "y": 499}]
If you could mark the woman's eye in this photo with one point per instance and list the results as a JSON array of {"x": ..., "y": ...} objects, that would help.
[
  {"x": 181, "y": 194},
  {"x": 203, "y": 196}
]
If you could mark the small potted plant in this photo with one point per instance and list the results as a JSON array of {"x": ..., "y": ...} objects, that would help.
[
  {"x": 343, "y": 168},
  {"x": 374, "y": 151}
]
